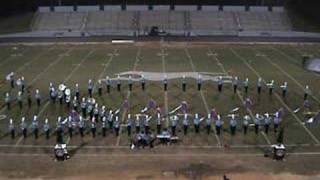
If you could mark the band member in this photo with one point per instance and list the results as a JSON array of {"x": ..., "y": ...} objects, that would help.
[
  {"x": 199, "y": 82},
  {"x": 220, "y": 83},
  {"x": 284, "y": 88},
  {"x": 257, "y": 123},
  {"x": 53, "y": 95},
  {"x": 130, "y": 83},
  {"x": 23, "y": 126},
  {"x": 99, "y": 87},
  {"x": 246, "y": 85},
  {"x": 174, "y": 122},
  {"x": 70, "y": 126},
  {"x": 104, "y": 126},
  {"x": 84, "y": 107},
  {"x": 7, "y": 100},
  {"x": 271, "y": 87},
  {"x": 12, "y": 129},
  {"x": 22, "y": 84},
  {"x": 137, "y": 124},
  {"x": 29, "y": 99},
  {"x": 90, "y": 87},
  {"x": 117, "y": 125},
  {"x": 184, "y": 83},
  {"x": 77, "y": 90},
  {"x": 10, "y": 78},
  {"x": 81, "y": 126},
  {"x": 267, "y": 121},
  {"x": 158, "y": 123},
  {"x": 108, "y": 82},
  {"x": 146, "y": 124},
  {"x": 185, "y": 123},
  {"x": 306, "y": 92},
  {"x": 46, "y": 128},
  {"x": 245, "y": 124},
  {"x": 165, "y": 83},
  {"x": 60, "y": 96},
  {"x": 19, "y": 99},
  {"x": 110, "y": 120},
  {"x": 233, "y": 125},
  {"x": 93, "y": 127},
  {"x": 96, "y": 112},
  {"x": 38, "y": 97},
  {"x": 129, "y": 125},
  {"x": 208, "y": 123},
  {"x": 196, "y": 123},
  {"x": 143, "y": 82},
  {"x": 35, "y": 126},
  {"x": 219, "y": 123},
  {"x": 235, "y": 84},
  {"x": 259, "y": 85},
  {"x": 119, "y": 84},
  {"x": 75, "y": 103},
  {"x": 276, "y": 121}
]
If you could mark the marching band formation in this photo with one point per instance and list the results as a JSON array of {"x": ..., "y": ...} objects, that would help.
[{"x": 86, "y": 114}]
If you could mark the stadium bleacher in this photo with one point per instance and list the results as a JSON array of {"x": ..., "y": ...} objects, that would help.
[{"x": 205, "y": 22}]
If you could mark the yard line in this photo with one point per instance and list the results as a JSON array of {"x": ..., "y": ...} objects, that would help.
[
  {"x": 128, "y": 95},
  {"x": 164, "y": 155},
  {"x": 292, "y": 58},
  {"x": 205, "y": 103},
  {"x": 166, "y": 107},
  {"x": 29, "y": 62},
  {"x": 44, "y": 107},
  {"x": 7, "y": 59},
  {"x": 31, "y": 146},
  {"x": 288, "y": 75},
  {"x": 277, "y": 96},
  {"x": 110, "y": 59},
  {"x": 34, "y": 59},
  {"x": 57, "y": 60},
  {"x": 41, "y": 73},
  {"x": 239, "y": 95}
]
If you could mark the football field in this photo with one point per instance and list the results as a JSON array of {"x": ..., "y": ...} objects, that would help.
[{"x": 77, "y": 63}]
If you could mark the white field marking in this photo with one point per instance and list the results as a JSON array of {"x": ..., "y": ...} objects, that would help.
[
  {"x": 106, "y": 65},
  {"x": 163, "y": 60},
  {"x": 288, "y": 75},
  {"x": 164, "y": 155},
  {"x": 205, "y": 103},
  {"x": 34, "y": 59},
  {"x": 41, "y": 73},
  {"x": 57, "y": 60},
  {"x": 128, "y": 96},
  {"x": 30, "y": 146},
  {"x": 29, "y": 62},
  {"x": 293, "y": 59},
  {"x": 44, "y": 107},
  {"x": 10, "y": 57},
  {"x": 278, "y": 97},
  {"x": 239, "y": 95}
]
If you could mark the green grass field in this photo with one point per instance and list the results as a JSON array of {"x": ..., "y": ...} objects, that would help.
[{"x": 41, "y": 64}]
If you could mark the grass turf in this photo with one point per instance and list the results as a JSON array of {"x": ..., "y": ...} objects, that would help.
[{"x": 79, "y": 63}]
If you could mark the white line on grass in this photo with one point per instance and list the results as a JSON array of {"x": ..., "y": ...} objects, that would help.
[
  {"x": 128, "y": 96},
  {"x": 20, "y": 68},
  {"x": 31, "y": 146},
  {"x": 44, "y": 71},
  {"x": 278, "y": 97},
  {"x": 56, "y": 61},
  {"x": 166, "y": 107},
  {"x": 164, "y": 155},
  {"x": 288, "y": 75},
  {"x": 201, "y": 93},
  {"x": 44, "y": 107},
  {"x": 7, "y": 59},
  {"x": 239, "y": 95},
  {"x": 292, "y": 58}
]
